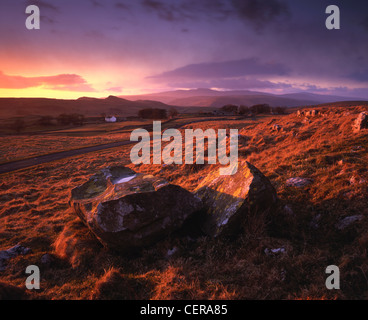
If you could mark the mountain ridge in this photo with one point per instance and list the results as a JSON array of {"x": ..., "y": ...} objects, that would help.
[
  {"x": 183, "y": 100},
  {"x": 203, "y": 97}
]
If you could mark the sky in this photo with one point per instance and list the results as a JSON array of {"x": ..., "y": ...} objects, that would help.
[{"x": 98, "y": 48}]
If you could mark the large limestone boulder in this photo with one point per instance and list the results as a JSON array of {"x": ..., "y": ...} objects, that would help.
[
  {"x": 230, "y": 200},
  {"x": 126, "y": 210}
]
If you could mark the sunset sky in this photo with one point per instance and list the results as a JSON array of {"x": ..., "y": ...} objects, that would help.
[{"x": 116, "y": 47}]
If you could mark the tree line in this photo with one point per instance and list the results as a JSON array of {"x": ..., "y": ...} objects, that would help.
[
  {"x": 75, "y": 119},
  {"x": 255, "y": 109},
  {"x": 156, "y": 113}
]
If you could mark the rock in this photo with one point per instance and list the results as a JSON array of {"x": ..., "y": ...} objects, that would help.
[
  {"x": 276, "y": 127},
  {"x": 6, "y": 255},
  {"x": 361, "y": 122},
  {"x": 298, "y": 182},
  {"x": 230, "y": 200},
  {"x": 356, "y": 180},
  {"x": 288, "y": 211},
  {"x": 357, "y": 149},
  {"x": 314, "y": 113},
  {"x": 126, "y": 210},
  {"x": 314, "y": 224},
  {"x": 274, "y": 252},
  {"x": 47, "y": 259},
  {"x": 171, "y": 252},
  {"x": 311, "y": 113},
  {"x": 300, "y": 113},
  {"x": 346, "y": 222}
]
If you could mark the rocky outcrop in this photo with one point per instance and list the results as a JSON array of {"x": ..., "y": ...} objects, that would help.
[
  {"x": 126, "y": 210},
  {"x": 361, "y": 122},
  {"x": 230, "y": 200},
  {"x": 308, "y": 113},
  {"x": 311, "y": 113}
]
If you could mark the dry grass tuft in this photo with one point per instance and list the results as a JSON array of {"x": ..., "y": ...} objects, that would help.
[
  {"x": 76, "y": 244},
  {"x": 114, "y": 285},
  {"x": 10, "y": 292}
]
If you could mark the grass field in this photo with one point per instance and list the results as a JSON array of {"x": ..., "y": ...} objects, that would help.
[
  {"x": 35, "y": 213},
  {"x": 20, "y": 146}
]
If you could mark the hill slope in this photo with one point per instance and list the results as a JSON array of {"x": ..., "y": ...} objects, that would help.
[
  {"x": 16, "y": 107},
  {"x": 214, "y": 98}
]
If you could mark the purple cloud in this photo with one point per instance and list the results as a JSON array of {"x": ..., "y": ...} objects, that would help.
[
  {"x": 227, "y": 69},
  {"x": 42, "y": 5},
  {"x": 235, "y": 83}
]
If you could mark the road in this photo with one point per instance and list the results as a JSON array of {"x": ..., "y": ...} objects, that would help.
[{"x": 22, "y": 164}]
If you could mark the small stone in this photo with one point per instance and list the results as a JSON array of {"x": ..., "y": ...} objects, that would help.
[
  {"x": 314, "y": 224},
  {"x": 47, "y": 259},
  {"x": 356, "y": 148},
  {"x": 298, "y": 182},
  {"x": 171, "y": 252},
  {"x": 288, "y": 210},
  {"x": 274, "y": 252},
  {"x": 276, "y": 127},
  {"x": 356, "y": 180},
  {"x": 346, "y": 222},
  {"x": 12, "y": 252}
]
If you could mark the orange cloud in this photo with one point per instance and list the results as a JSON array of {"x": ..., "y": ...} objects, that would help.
[{"x": 65, "y": 82}]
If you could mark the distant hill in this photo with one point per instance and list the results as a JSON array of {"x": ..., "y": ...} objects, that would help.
[
  {"x": 344, "y": 104},
  {"x": 20, "y": 107},
  {"x": 214, "y": 98},
  {"x": 183, "y": 100}
]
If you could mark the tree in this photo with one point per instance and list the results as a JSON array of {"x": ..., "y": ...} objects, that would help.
[
  {"x": 230, "y": 108},
  {"x": 45, "y": 121},
  {"x": 63, "y": 119},
  {"x": 243, "y": 110},
  {"x": 260, "y": 108},
  {"x": 77, "y": 119},
  {"x": 18, "y": 125},
  {"x": 154, "y": 114},
  {"x": 280, "y": 110},
  {"x": 173, "y": 113},
  {"x": 74, "y": 118}
]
